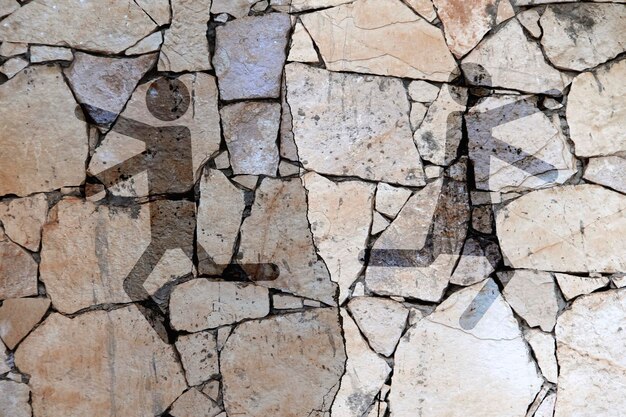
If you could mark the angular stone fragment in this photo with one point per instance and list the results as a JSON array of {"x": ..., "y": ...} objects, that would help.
[
  {"x": 482, "y": 219},
  {"x": 534, "y": 296},
  {"x": 158, "y": 10},
  {"x": 546, "y": 409},
  {"x": 390, "y": 199},
  {"x": 14, "y": 399},
  {"x": 235, "y": 8},
  {"x": 91, "y": 25},
  {"x": 9, "y": 49},
  {"x": 572, "y": 286},
  {"x": 148, "y": 44},
  {"x": 505, "y": 11},
  {"x": 263, "y": 371},
  {"x": 439, "y": 363},
  {"x": 302, "y": 49},
  {"x": 609, "y": 171},
  {"x": 193, "y": 403},
  {"x": 424, "y": 8},
  {"x": 381, "y": 320},
  {"x": 418, "y": 111},
  {"x": 8, "y": 7},
  {"x": 250, "y": 130},
  {"x": 589, "y": 339},
  {"x": 200, "y": 304},
  {"x": 106, "y": 83},
  {"x": 249, "y": 56},
  {"x": 478, "y": 260},
  {"x": 295, "y": 6},
  {"x": 277, "y": 231},
  {"x": 596, "y": 113},
  {"x": 379, "y": 223},
  {"x": 423, "y": 91},
  {"x": 198, "y": 353},
  {"x": 366, "y": 372},
  {"x": 416, "y": 254},
  {"x": 507, "y": 59},
  {"x": 466, "y": 22},
  {"x": 339, "y": 130},
  {"x": 581, "y": 36},
  {"x": 41, "y": 53},
  {"x": 100, "y": 363},
  {"x": 515, "y": 146},
  {"x": 565, "y": 229},
  {"x": 14, "y": 65},
  {"x": 440, "y": 133},
  {"x": 286, "y": 302},
  {"x": 50, "y": 153},
  {"x": 4, "y": 364},
  {"x": 218, "y": 219},
  {"x": 186, "y": 45},
  {"x": 18, "y": 316},
  {"x": 378, "y": 37},
  {"x": 530, "y": 20},
  {"x": 23, "y": 218},
  {"x": 18, "y": 270},
  {"x": 340, "y": 215},
  {"x": 544, "y": 348}
]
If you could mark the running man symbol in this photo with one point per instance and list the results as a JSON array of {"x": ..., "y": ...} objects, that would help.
[{"x": 167, "y": 160}]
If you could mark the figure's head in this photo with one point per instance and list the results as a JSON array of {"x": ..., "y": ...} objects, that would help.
[{"x": 167, "y": 99}]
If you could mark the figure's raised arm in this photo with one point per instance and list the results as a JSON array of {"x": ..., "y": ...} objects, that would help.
[{"x": 124, "y": 126}]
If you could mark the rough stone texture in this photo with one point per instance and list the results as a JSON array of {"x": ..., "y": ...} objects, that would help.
[
  {"x": 440, "y": 133},
  {"x": 277, "y": 231},
  {"x": 366, "y": 372},
  {"x": 106, "y": 83},
  {"x": 13, "y": 66},
  {"x": 439, "y": 364},
  {"x": 218, "y": 219},
  {"x": 198, "y": 354},
  {"x": 99, "y": 364},
  {"x": 302, "y": 49},
  {"x": 565, "y": 229},
  {"x": 478, "y": 260},
  {"x": 534, "y": 296},
  {"x": 339, "y": 130},
  {"x": 609, "y": 171},
  {"x": 185, "y": 45},
  {"x": 423, "y": 91},
  {"x": 193, "y": 403},
  {"x": 249, "y": 56},
  {"x": 93, "y": 25},
  {"x": 235, "y": 8},
  {"x": 426, "y": 277},
  {"x": 263, "y": 373},
  {"x": 503, "y": 131},
  {"x": 8, "y": 7},
  {"x": 530, "y": 20},
  {"x": 513, "y": 62},
  {"x": 51, "y": 152},
  {"x": 18, "y": 270},
  {"x": 340, "y": 215},
  {"x": 150, "y": 43},
  {"x": 18, "y": 316},
  {"x": 390, "y": 199},
  {"x": 41, "y": 53},
  {"x": 23, "y": 219},
  {"x": 581, "y": 36},
  {"x": 294, "y": 6},
  {"x": 158, "y": 10},
  {"x": 9, "y": 49},
  {"x": 381, "y": 320},
  {"x": 200, "y": 304},
  {"x": 589, "y": 338},
  {"x": 546, "y": 409},
  {"x": 596, "y": 112},
  {"x": 379, "y": 223},
  {"x": 572, "y": 286},
  {"x": 377, "y": 37},
  {"x": 424, "y": 8},
  {"x": 544, "y": 348},
  {"x": 14, "y": 399},
  {"x": 250, "y": 130}
]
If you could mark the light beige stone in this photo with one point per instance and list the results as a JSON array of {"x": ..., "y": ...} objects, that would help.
[
  {"x": 351, "y": 136},
  {"x": 222, "y": 160},
  {"x": 295, "y": 6},
  {"x": 148, "y": 44},
  {"x": 572, "y": 286},
  {"x": 235, "y": 8},
  {"x": 378, "y": 37},
  {"x": 390, "y": 199},
  {"x": 530, "y": 20},
  {"x": 51, "y": 153},
  {"x": 379, "y": 223},
  {"x": 589, "y": 339},
  {"x": 186, "y": 45},
  {"x": 18, "y": 316},
  {"x": 365, "y": 374},
  {"x": 42, "y": 53},
  {"x": 193, "y": 403},
  {"x": 277, "y": 231},
  {"x": 609, "y": 171},
  {"x": 8, "y": 7},
  {"x": 596, "y": 112},
  {"x": 424, "y": 8},
  {"x": 340, "y": 215},
  {"x": 565, "y": 229},
  {"x": 198, "y": 354},
  {"x": 18, "y": 270},
  {"x": 441, "y": 131},
  {"x": 23, "y": 219},
  {"x": 544, "y": 348},
  {"x": 158, "y": 10},
  {"x": 218, "y": 219},
  {"x": 423, "y": 91},
  {"x": 439, "y": 364},
  {"x": 581, "y": 36},
  {"x": 9, "y": 49},
  {"x": 173, "y": 264},
  {"x": 513, "y": 62},
  {"x": 302, "y": 49},
  {"x": 381, "y": 320},
  {"x": 13, "y": 66},
  {"x": 418, "y": 111},
  {"x": 478, "y": 260},
  {"x": 92, "y": 25},
  {"x": 286, "y": 302},
  {"x": 285, "y": 169},
  {"x": 534, "y": 296},
  {"x": 100, "y": 363},
  {"x": 546, "y": 409},
  {"x": 4, "y": 364},
  {"x": 505, "y": 11},
  {"x": 212, "y": 390},
  {"x": 263, "y": 371},
  {"x": 14, "y": 399}
]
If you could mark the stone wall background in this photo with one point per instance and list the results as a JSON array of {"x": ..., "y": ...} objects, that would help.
[{"x": 298, "y": 208}]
